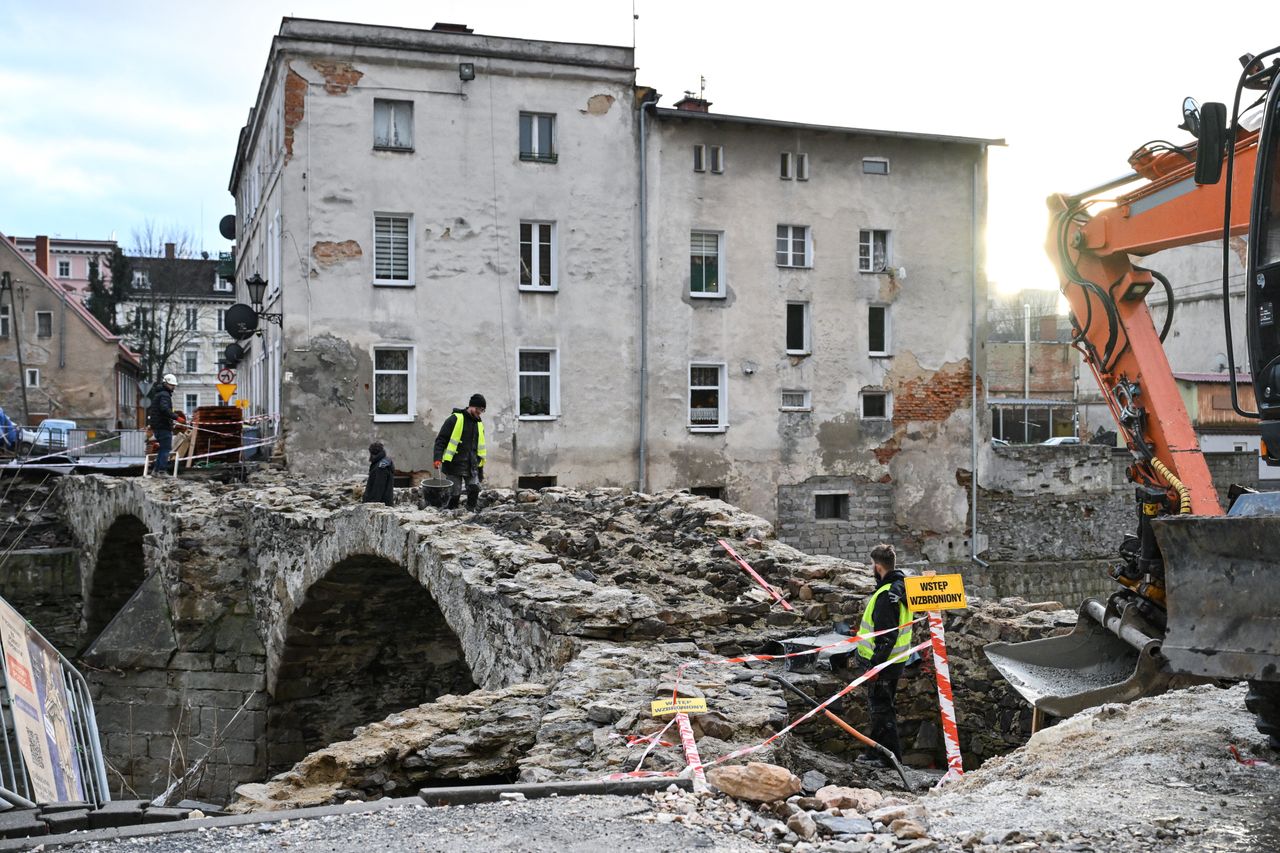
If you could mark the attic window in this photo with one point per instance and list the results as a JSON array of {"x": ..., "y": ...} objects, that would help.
[{"x": 875, "y": 166}]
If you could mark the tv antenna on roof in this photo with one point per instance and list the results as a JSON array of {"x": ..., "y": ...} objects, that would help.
[{"x": 702, "y": 88}]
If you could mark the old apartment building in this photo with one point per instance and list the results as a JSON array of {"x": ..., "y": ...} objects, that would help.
[
  {"x": 58, "y": 360},
  {"x": 781, "y": 314},
  {"x": 69, "y": 259}
]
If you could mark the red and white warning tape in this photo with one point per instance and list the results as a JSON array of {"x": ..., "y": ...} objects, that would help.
[
  {"x": 691, "y": 756},
  {"x": 777, "y": 596},
  {"x": 946, "y": 703}
]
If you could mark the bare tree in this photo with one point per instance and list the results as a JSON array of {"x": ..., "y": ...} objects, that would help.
[
  {"x": 149, "y": 241},
  {"x": 1005, "y": 313}
]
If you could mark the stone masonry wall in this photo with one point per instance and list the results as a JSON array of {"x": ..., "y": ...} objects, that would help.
[{"x": 870, "y": 518}]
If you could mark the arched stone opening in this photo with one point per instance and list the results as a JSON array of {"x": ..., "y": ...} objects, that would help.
[
  {"x": 367, "y": 641},
  {"x": 117, "y": 574}
]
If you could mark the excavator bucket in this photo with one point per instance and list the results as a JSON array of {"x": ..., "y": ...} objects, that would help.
[
  {"x": 1222, "y": 576},
  {"x": 1112, "y": 655}
]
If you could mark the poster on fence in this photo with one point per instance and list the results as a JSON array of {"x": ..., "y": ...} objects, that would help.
[{"x": 40, "y": 710}]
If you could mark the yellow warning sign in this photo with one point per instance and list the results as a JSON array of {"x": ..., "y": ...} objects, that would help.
[
  {"x": 682, "y": 705},
  {"x": 244, "y": 404},
  {"x": 935, "y": 592},
  {"x": 226, "y": 390}
]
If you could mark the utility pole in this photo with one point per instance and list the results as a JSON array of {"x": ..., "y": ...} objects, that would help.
[{"x": 6, "y": 283}]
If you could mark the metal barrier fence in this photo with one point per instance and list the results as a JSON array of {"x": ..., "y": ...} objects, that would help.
[
  {"x": 102, "y": 442},
  {"x": 15, "y": 779}
]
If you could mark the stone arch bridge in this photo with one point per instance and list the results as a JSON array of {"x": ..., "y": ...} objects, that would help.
[{"x": 306, "y": 612}]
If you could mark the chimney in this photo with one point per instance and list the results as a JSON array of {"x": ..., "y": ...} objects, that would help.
[
  {"x": 1049, "y": 328},
  {"x": 693, "y": 105},
  {"x": 442, "y": 27},
  {"x": 170, "y": 251},
  {"x": 42, "y": 254}
]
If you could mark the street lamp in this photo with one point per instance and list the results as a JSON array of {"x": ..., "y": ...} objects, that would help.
[{"x": 257, "y": 290}]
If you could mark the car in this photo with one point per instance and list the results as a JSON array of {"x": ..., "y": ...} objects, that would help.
[
  {"x": 999, "y": 442},
  {"x": 51, "y": 434},
  {"x": 1059, "y": 440}
]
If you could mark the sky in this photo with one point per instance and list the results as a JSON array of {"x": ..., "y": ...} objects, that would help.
[{"x": 115, "y": 115}]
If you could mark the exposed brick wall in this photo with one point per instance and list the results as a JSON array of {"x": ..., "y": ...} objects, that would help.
[
  {"x": 935, "y": 397},
  {"x": 328, "y": 253},
  {"x": 295, "y": 107},
  {"x": 338, "y": 76}
]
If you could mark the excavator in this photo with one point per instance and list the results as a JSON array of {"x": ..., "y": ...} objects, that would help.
[{"x": 1198, "y": 589}]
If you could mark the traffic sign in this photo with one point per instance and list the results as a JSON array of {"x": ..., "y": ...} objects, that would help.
[
  {"x": 226, "y": 390},
  {"x": 226, "y": 376}
]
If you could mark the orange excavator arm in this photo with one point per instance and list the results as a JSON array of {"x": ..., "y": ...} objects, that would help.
[{"x": 1115, "y": 333}]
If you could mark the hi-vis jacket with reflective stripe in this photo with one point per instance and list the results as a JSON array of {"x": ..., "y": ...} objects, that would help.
[
  {"x": 454, "y": 441},
  {"x": 892, "y": 586}
]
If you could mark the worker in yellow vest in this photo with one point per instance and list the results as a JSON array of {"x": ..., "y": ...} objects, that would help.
[
  {"x": 886, "y": 609},
  {"x": 460, "y": 451}
]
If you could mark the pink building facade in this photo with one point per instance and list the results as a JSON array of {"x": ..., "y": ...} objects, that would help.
[{"x": 69, "y": 259}]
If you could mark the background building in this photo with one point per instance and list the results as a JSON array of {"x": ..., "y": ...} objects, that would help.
[
  {"x": 69, "y": 259},
  {"x": 781, "y": 314},
  {"x": 69, "y": 365}
]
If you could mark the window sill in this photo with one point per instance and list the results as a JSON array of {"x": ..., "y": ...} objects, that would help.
[
  {"x": 885, "y": 271},
  {"x": 536, "y": 288},
  {"x": 694, "y": 295},
  {"x": 709, "y": 429},
  {"x": 396, "y": 148},
  {"x": 377, "y": 283},
  {"x": 879, "y": 355},
  {"x": 537, "y": 417},
  {"x": 538, "y": 158},
  {"x": 394, "y": 419},
  {"x": 795, "y": 409},
  {"x": 799, "y": 353},
  {"x": 832, "y": 520},
  {"x": 795, "y": 266}
]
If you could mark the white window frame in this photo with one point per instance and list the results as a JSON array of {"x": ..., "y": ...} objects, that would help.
[
  {"x": 390, "y": 215},
  {"x": 862, "y": 405},
  {"x": 722, "y": 416},
  {"x": 720, "y": 270},
  {"x": 807, "y": 261},
  {"x": 886, "y": 330},
  {"x": 541, "y": 151},
  {"x": 786, "y": 166},
  {"x": 802, "y": 167},
  {"x": 190, "y": 409},
  {"x": 866, "y": 250},
  {"x": 807, "y": 314},
  {"x": 411, "y": 402},
  {"x": 44, "y": 315},
  {"x": 222, "y": 285},
  {"x": 536, "y": 255},
  {"x": 141, "y": 280},
  {"x": 806, "y": 403},
  {"x": 716, "y": 162},
  {"x": 33, "y": 377},
  {"x": 191, "y": 360},
  {"x": 553, "y": 375},
  {"x": 62, "y": 274},
  {"x": 4, "y": 321},
  {"x": 222, "y": 321},
  {"x": 395, "y": 108},
  {"x": 871, "y": 165},
  {"x": 699, "y": 158},
  {"x": 192, "y": 319}
]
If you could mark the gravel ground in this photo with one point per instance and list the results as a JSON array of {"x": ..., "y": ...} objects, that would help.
[{"x": 553, "y": 825}]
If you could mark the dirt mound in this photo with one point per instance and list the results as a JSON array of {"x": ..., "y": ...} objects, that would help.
[{"x": 1156, "y": 774}]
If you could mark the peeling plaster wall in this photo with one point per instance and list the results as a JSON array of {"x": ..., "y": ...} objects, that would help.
[
  {"x": 765, "y": 455},
  {"x": 467, "y": 192}
]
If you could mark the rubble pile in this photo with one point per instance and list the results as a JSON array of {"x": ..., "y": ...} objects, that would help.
[{"x": 30, "y": 514}]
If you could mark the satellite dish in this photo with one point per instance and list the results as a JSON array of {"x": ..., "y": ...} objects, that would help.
[
  {"x": 232, "y": 354},
  {"x": 241, "y": 321},
  {"x": 227, "y": 226}
]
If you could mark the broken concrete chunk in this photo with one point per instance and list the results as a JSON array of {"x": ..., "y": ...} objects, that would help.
[{"x": 861, "y": 800}]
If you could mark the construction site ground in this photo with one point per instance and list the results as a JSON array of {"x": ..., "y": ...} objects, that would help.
[{"x": 1156, "y": 775}]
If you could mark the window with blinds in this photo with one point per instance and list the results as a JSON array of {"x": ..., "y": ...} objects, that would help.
[
  {"x": 704, "y": 264},
  {"x": 391, "y": 247}
]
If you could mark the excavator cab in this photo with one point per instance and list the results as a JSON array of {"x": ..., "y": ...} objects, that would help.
[{"x": 1199, "y": 595}]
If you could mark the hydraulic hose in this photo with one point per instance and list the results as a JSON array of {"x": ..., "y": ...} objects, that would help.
[{"x": 1184, "y": 494}]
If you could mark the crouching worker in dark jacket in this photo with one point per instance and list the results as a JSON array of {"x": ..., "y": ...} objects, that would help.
[
  {"x": 459, "y": 451},
  {"x": 380, "y": 487}
]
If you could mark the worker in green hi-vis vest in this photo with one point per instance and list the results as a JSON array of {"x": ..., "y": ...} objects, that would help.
[
  {"x": 460, "y": 451},
  {"x": 886, "y": 609}
]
